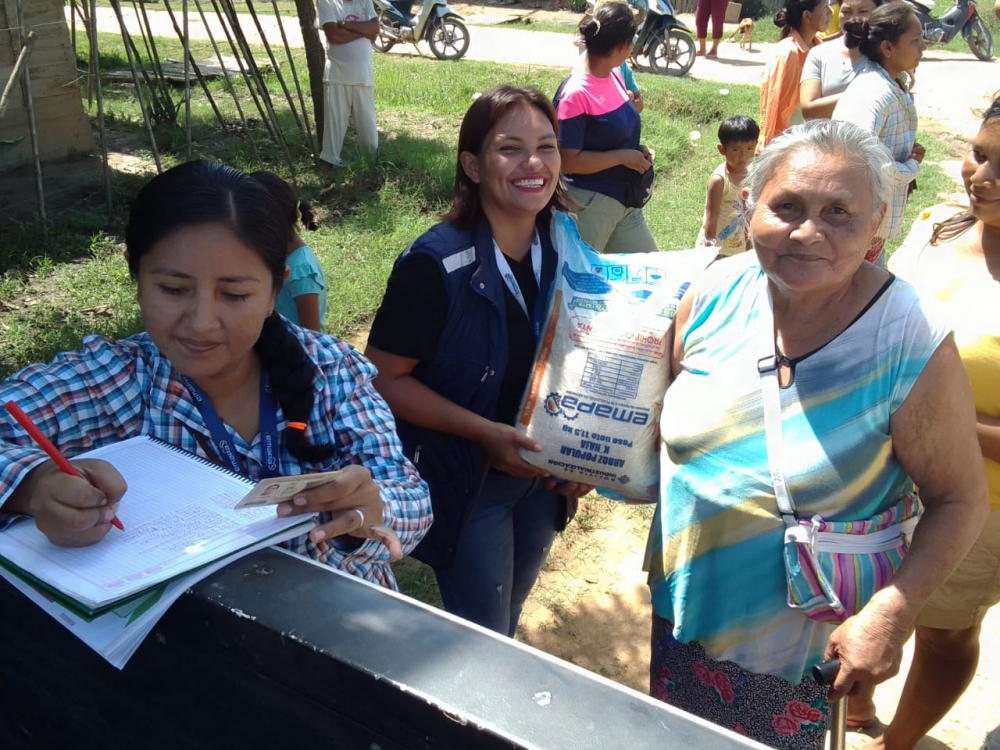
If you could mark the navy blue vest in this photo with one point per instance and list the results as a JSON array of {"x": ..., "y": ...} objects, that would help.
[{"x": 466, "y": 369}]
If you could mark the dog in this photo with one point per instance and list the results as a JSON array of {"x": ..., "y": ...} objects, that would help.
[{"x": 745, "y": 32}]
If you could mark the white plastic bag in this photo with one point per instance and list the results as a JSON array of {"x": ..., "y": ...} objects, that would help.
[{"x": 595, "y": 394}]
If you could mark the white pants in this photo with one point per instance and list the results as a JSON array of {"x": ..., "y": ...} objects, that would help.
[{"x": 343, "y": 102}]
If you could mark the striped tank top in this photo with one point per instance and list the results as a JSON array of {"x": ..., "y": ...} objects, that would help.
[{"x": 715, "y": 548}]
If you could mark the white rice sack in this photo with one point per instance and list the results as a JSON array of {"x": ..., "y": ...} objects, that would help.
[{"x": 594, "y": 399}]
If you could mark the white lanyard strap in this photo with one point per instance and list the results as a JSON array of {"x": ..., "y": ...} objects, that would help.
[
  {"x": 511, "y": 281},
  {"x": 770, "y": 391}
]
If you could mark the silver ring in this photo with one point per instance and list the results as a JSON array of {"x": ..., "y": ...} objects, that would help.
[{"x": 361, "y": 516}]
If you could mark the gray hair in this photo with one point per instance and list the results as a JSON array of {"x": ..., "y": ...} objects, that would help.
[{"x": 828, "y": 138}]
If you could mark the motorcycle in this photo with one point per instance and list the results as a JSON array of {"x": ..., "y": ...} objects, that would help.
[
  {"x": 961, "y": 17},
  {"x": 664, "y": 40},
  {"x": 442, "y": 27}
]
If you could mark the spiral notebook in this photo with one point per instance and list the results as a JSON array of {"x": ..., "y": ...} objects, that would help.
[{"x": 178, "y": 514}]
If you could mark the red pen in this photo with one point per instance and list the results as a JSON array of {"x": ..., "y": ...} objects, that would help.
[{"x": 51, "y": 451}]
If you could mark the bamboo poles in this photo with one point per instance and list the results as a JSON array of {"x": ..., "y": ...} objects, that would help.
[
  {"x": 116, "y": 5},
  {"x": 277, "y": 70},
  {"x": 149, "y": 40},
  {"x": 187, "y": 75},
  {"x": 264, "y": 118},
  {"x": 21, "y": 62},
  {"x": 229, "y": 82},
  {"x": 101, "y": 125},
  {"x": 258, "y": 79},
  {"x": 298, "y": 86},
  {"x": 29, "y": 107},
  {"x": 188, "y": 59}
]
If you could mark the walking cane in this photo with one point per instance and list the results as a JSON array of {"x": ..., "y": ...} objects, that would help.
[{"x": 825, "y": 674}]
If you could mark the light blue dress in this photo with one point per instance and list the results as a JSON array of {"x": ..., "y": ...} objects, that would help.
[{"x": 305, "y": 276}]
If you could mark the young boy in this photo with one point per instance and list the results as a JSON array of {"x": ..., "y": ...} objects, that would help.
[{"x": 723, "y": 224}]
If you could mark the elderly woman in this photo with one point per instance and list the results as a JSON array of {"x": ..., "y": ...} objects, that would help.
[
  {"x": 870, "y": 397},
  {"x": 953, "y": 258},
  {"x": 454, "y": 343}
]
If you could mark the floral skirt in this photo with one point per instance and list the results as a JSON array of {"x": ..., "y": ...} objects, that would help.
[{"x": 763, "y": 707}]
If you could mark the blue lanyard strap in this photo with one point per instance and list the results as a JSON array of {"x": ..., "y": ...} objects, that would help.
[
  {"x": 541, "y": 300},
  {"x": 221, "y": 438}
]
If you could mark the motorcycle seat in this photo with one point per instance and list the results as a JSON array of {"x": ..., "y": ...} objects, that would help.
[
  {"x": 927, "y": 5},
  {"x": 403, "y": 6}
]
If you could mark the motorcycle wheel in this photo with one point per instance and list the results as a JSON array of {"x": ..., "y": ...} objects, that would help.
[
  {"x": 672, "y": 53},
  {"x": 382, "y": 43},
  {"x": 449, "y": 39},
  {"x": 980, "y": 40}
]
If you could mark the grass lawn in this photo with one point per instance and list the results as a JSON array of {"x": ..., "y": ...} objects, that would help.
[{"x": 66, "y": 279}]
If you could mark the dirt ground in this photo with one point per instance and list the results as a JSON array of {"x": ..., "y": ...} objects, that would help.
[{"x": 591, "y": 607}]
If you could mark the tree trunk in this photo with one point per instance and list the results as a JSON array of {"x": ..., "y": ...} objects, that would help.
[{"x": 315, "y": 60}]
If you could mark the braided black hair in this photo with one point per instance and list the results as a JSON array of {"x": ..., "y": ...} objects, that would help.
[
  {"x": 204, "y": 192},
  {"x": 290, "y": 208}
]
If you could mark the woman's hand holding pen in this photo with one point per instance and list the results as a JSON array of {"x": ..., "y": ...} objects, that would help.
[
  {"x": 71, "y": 511},
  {"x": 355, "y": 504}
]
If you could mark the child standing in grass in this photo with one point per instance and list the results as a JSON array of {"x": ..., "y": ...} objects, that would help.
[
  {"x": 630, "y": 83},
  {"x": 723, "y": 224},
  {"x": 302, "y": 298}
]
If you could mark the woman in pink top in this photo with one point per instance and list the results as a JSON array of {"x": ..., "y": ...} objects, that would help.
[{"x": 800, "y": 22}]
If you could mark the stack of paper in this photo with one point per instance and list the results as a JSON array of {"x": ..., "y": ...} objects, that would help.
[{"x": 180, "y": 526}]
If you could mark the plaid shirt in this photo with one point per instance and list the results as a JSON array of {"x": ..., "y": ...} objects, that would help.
[
  {"x": 113, "y": 390},
  {"x": 878, "y": 104}
]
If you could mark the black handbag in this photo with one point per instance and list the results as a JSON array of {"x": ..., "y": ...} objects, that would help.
[{"x": 639, "y": 190}]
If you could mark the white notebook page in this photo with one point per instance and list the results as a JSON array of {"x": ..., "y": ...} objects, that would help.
[{"x": 177, "y": 512}]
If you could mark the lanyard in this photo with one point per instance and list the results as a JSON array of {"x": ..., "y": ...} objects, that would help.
[
  {"x": 515, "y": 290},
  {"x": 220, "y": 435}
]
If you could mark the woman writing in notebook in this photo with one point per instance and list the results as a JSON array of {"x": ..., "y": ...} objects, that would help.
[{"x": 217, "y": 374}]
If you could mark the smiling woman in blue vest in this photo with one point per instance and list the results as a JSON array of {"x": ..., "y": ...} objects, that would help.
[{"x": 454, "y": 343}]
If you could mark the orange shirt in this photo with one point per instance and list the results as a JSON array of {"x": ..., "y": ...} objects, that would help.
[{"x": 779, "y": 91}]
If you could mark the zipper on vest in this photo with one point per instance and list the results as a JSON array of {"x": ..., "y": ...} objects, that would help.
[
  {"x": 416, "y": 455},
  {"x": 486, "y": 374}
]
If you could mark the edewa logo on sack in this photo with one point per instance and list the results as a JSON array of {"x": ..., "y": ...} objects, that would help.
[{"x": 570, "y": 407}]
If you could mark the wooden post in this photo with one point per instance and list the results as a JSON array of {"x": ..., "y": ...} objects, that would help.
[
  {"x": 29, "y": 107},
  {"x": 187, "y": 76},
  {"x": 101, "y": 127},
  {"x": 72, "y": 25},
  {"x": 22, "y": 58},
  {"x": 315, "y": 62},
  {"x": 126, "y": 37}
]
